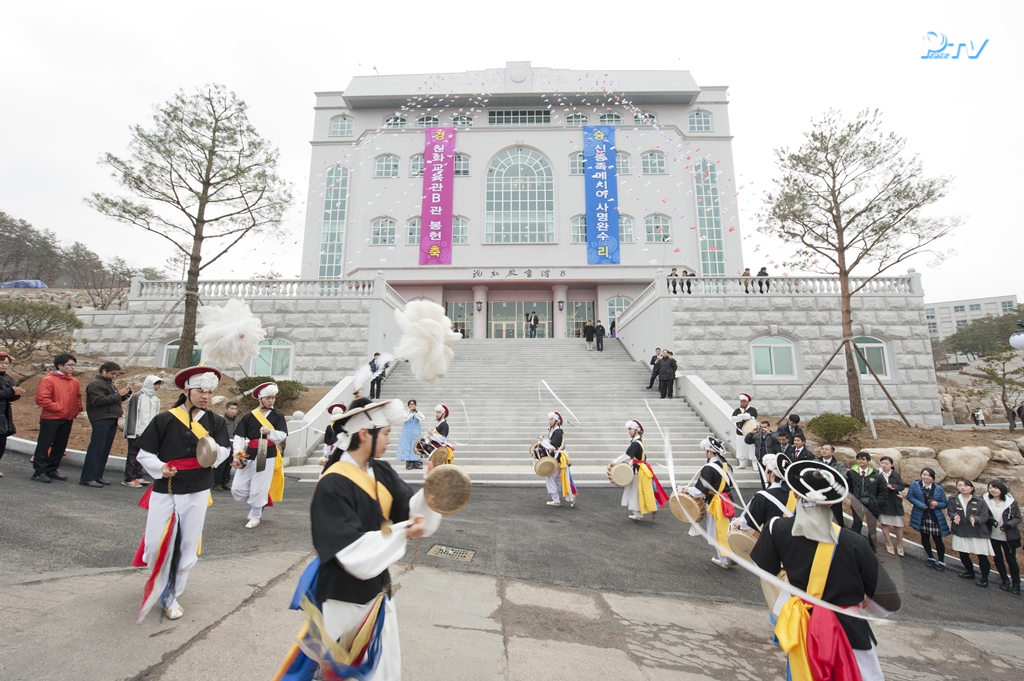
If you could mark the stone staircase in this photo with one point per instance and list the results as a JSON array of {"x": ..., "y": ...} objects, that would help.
[{"x": 499, "y": 408}]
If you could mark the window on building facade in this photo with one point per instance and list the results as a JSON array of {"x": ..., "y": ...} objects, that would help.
[
  {"x": 699, "y": 121},
  {"x": 520, "y": 201},
  {"x": 460, "y": 231},
  {"x": 958, "y": 308},
  {"x": 625, "y": 229},
  {"x": 653, "y": 163},
  {"x": 428, "y": 122},
  {"x": 412, "y": 232},
  {"x": 622, "y": 163},
  {"x": 1007, "y": 306},
  {"x": 462, "y": 121},
  {"x": 929, "y": 313},
  {"x": 382, "y": 232},
  {"x": 611, "y": 119},
  {"x": 332, "y": 234},
  {"x": 975, "y": 307},
  {"x": 874, "y": 351},
  {"x": 395, "y": 122},
  {"x": 579, "y": 229},
  {"x": 576, "y": 164},
  {"x": 275, "y": 359},
  {"x": 933, "y": 327},
  {"x": 386, "y": 166},
  {"x": 519, "y": 117},
  {"x": 773, "y": 356},
  {"x": 171, "y": 354},
  {"x": 576, "y": 120},
  {"x": 645, "y": 119},
  {"x": 615, "y": 306},
  {"x": 341, "y": 126},
  {"x": 961, "y": 322},
  {"x": 416, "y": 165},
  {"x": 709, "y": 220},
  {"x": 461, "y": 165},
  {"x": 657, "y": 228}
]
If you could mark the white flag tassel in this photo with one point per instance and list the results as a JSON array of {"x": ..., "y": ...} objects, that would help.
[
  {"x": 230, "y": 334},
  {"x": 427, "y": 338}
]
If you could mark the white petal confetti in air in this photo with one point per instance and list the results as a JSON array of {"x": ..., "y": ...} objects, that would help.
[
  {"x": 426, "y": 339},
  {"x": 230, "y": 333}
]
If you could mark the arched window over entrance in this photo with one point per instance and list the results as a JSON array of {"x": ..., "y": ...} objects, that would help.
[
  {"x": 520, "y": 199},
  {"x": 615, "y": 306}
]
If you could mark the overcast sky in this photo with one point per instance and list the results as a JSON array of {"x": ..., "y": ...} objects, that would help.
[{"x": 75, "y": 76}]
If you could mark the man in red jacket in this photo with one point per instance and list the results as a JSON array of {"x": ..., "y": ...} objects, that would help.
[{"x": 60, "y": 396}]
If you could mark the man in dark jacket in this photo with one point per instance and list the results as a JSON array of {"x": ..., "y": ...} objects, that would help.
[
  {"x": 588, "y": 334},
  {"x": 867, "y": 494},
  {"x": 791, "y": 428},
  {"x": 764, "y": 441},
  {"x": 103, "y": 405},
  {"x": 654, "y": 364},
  {"x": 8, "y": 393},
  {"x": 828, "y": 457},
  {"x": 599, "y": 333},
  {"x": 800, "y": 451},
  {"x": 667, "y": 374}
]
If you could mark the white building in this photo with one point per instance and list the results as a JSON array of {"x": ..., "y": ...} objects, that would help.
[
  {"x": 519, "y": 206},
  {"x": 945, "y": 318}
]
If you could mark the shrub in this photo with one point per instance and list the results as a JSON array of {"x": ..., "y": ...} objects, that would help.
[
  {"x": 286, "y": 390},
  {"x": 834, "y": 427},
  {"x": 27, "y": 326}
]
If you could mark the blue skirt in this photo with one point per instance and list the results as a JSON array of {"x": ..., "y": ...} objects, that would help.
[{"x": 410, "y": 433}]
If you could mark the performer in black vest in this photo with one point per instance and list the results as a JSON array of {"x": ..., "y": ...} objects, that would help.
[
  {"x": 259, "y": 488},
  {"x": 559, "y": 483},
  {"x": 714, "y": 483},
  {"x": 775, "y": 501},
  {"x": 833, "y": 564},
  {"x": 181, "y": 487}
]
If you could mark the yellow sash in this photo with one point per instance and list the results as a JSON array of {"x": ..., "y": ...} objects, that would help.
[
  {"x": 646, "y": 489},
  {"x": 795, "y": 614},
  {"x": 715, "y": 510},
  {"x": 365, "y": 483},
  {"x": 277, "y": 481},
  {"x": 563, "y": 463},
  {"x": 791, "y": 502},
  {"x": 186, "y": 420}
]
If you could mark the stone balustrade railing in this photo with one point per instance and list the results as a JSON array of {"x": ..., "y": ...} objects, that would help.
[
  {"x": 784, "y": 286},
  {"x": 260, "y": 288}
]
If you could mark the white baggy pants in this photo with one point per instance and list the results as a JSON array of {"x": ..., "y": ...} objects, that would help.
[
  {"x": 253, "y": 487},
  {"x": 191, "y": 510}
]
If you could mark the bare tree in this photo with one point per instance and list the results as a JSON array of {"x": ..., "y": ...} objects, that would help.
[
  {"x": 854, "y": 202},
  {"x": 1004, "y": 370},
  {"x": 201, "y": 174}
]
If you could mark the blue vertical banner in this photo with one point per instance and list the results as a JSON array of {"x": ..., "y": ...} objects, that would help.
[{"x": 602, "y": 190}]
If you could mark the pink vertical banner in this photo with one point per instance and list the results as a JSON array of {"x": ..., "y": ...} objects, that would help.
[{"x": 438, "y": 181}]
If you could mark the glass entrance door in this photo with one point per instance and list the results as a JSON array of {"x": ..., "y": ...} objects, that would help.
[
  {"x": 503, "y": 329},
  {"x": 577, "y": 316},
  {"x": 511, "y": 319}
]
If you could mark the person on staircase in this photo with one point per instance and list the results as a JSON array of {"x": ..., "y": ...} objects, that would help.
[
  {"x": 560, "y": 483},
  {"x": 260, "y": 488},
  {"x": 439, "y": 436},
  {"x": 410, "y": 435},
  {"x": 644, "y": 494},
  {"x": 744, "y": 452},
  {"x": 655, "y": 359},
  {"x": 715, "y": 484},
  {"x": 588, "y": 334},
  {"x": 667, "y": 374},
  {"x": 599, "y": 333}
]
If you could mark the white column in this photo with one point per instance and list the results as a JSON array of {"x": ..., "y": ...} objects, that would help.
[
  {"x": 560, "y": 316},
  {"x": 479, "y": 312}
]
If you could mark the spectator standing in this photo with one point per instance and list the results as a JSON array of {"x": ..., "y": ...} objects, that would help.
[
  {"x": 867, "y": 494},
  {"x": 8, "y": 393},
  {"x": 969, "y": 517},
  {"x": 762, "y": 284},
  {"x": 411, "y": 430},
  {"x": 891, "y": 512},
  {"x": 377, "y": 368},
  {"x": 60, "y": 395},
  {"x": 103, "y": 405},
  {"x": 746, "y": 279},
  {"x": 764, "y": 440},
  {"x": 599, "y": 333},
  {"x": 654, "y": 367},
  {"x": 784, "y": 445},
  {"x": 800, "y": 450},
  {"x": 611, "y": 329},
  {"x": 671, "y": 282},
  {"x": 140, "y": 410},
  {"x": 588, "y": 335},
  {"x": 534, "y": 321},
  {"x": 929, "y": 499},
  {"x": 690, "y": 274},
  {"x": 222, "y": 473},
  {"x": 792, "y": 428},
  {"x": 1005, "y": 533},
  {"x": 828, "y": 457},
  {"x": 667, "y": 374}
]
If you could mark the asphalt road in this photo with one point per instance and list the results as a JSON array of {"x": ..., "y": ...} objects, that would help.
[{"x": 64, "y": 527}]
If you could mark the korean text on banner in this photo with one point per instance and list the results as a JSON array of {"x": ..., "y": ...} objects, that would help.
[
  {"x": 438, "y": 180},
  {"x": 602, "y": 192}
]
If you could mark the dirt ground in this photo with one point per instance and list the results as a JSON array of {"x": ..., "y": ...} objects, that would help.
[{"x": 26, "y": 412}]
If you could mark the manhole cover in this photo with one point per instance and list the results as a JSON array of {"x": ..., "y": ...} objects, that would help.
[{"x": 451, "y": 553}]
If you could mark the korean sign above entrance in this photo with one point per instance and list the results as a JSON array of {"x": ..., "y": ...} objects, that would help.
[
  {"x": 602, "y": 192},
  {"x": 438, "y": 181}
]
